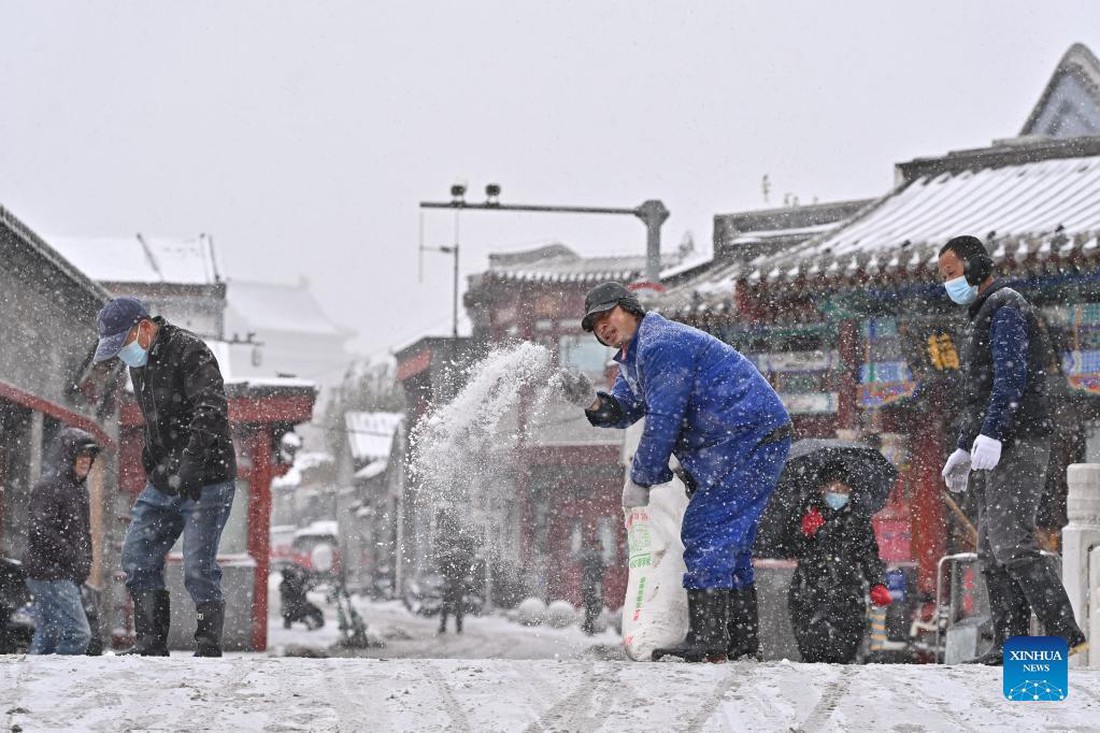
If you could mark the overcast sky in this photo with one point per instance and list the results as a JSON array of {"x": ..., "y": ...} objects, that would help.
[{"x": 302, "y": 136}]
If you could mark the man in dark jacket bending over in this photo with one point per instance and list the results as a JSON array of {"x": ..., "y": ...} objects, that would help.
[
  {"x": 1004, "y": 447},
  {"x": 191, "y": 469},
  {"x": 59, "y": 546},
  {"x": 708, "y": 405}
]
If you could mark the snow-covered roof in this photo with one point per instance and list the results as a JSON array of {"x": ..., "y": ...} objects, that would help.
[
  {"x": 1070, "y": 104},
  {"x": 1023, "y": 199},
  {"x": 320, "y": 528},
  {"x": 371, "y": 433},
  {"x": 265, "y": 306},
  {"x": 375, "y": 468},
  {"x": 141, "y": 259},
  {"x": 558, "y": 263},
  {"x": 223, "y": 352}
]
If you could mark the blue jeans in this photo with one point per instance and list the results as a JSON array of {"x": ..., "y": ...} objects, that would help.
[
  {"x": 60, "y": 624},
  {"x": 156, "y": 522}
]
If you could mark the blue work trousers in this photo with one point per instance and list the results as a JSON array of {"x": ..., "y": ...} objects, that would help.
[{"x": 721, "y": 519}]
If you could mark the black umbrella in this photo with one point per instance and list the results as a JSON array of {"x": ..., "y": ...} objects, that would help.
[{"x": 863, "y": 468}]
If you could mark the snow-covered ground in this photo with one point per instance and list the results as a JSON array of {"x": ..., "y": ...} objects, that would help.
[{"x": 500, "y": 676}]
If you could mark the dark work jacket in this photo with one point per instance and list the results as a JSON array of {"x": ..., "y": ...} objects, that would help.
[
  {"x": 59, "y": 541},
  {"x": 992, "y": 405},
  {"x": 182, "y": 398},
  {"x": 833, "y": 565}
]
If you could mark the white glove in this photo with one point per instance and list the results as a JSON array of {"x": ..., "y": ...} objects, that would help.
[
  {"x": 957, "y": 470},
  {"x": 986, "y": 453},
  {"x": 633, "y": 494},
  {"x": 576, "y": 388}
]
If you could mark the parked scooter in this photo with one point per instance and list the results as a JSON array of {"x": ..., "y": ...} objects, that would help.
[
  {"x": 16, "y": 626},
  {"x": 296, "y": 607}
]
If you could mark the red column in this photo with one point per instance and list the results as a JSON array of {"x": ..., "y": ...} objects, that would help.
[
  {"x": 259, "y": 529},
  {"x": 848, "y": 350},
  {"x": 929, "y": 525}
]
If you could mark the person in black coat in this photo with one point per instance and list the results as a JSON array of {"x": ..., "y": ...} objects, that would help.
[
  {"x": 189, "y": 460},
  {"x": 837, "y": 552},
  {"x": 59, "y": 546},
  {"x": 455, "y": 553},
  {"x": 592, "y": 572},
  {"x": 296, "y": 605},
  {"x": 1003, "y": 449}
]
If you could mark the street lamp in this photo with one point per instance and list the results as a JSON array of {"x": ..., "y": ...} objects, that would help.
[{"x": 652, "y": 213}]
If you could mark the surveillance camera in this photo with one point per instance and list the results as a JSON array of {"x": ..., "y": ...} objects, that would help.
[
  {"x": 492, "y": 190},
  {"x": 458, "y": 190}
]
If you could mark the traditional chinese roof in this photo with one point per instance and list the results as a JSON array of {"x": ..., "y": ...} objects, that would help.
[
  {"x": 370, "y": 434},
  {"x": 742, "y": 237},
  {"x": 265, "y": 307},
  {"x": 558, "y": 263},
  {"x": 1026, "y": 199},
  {"x": 1070, "y": 104},
  {"x": 141, "y": 259}
]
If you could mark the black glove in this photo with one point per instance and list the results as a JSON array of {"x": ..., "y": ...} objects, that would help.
[
  {"x": 187, "y": 480},
  {"x": 159, "y": 477}
]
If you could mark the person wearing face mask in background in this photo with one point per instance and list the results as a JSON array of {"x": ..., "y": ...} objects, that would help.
[
  {"x": 837, "y": 552},
  {"x": 191, "y": 468},
  {"x": 1003, "y": 447},
  {"x": 59, "y": 546}
]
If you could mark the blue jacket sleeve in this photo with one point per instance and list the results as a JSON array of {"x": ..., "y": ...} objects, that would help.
[
  {"x": 669, "y": 381},
  {"x": 1009, "y": 345}
]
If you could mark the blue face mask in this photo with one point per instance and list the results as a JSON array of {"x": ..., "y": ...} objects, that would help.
[
  {"x": 835, "y": 501},
  {"x": 133, "y": 355},
  {"x": 960, "y": 291}
]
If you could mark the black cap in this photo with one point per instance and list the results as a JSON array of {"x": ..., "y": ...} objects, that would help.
[{"x": 604, "y": 297}]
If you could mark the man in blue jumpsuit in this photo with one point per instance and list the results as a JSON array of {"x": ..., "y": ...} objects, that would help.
[{"x": 709, "y": 406}]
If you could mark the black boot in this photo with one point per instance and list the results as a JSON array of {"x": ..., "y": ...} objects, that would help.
[
  {"x": 708, "y": 633},
  {"x": 152, "y": 616},
  {"x": 1009, "y": 612},
  {"x": 209, "y": 619},
  {"x": 1047, "y": 596},
  {"x": 744, "y": 625}
]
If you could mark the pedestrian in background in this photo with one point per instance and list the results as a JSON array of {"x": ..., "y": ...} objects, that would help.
[
  {"x": 1003, "y": 447},
  {"x": 59, "y": 546},
  {"x": 592, "y": 570},
  {"x": 708, "y": 405},
  {"x": 837, "y": 555},
  {"x": 455, "y": 554},
  {"x": 191, "y": 468}
]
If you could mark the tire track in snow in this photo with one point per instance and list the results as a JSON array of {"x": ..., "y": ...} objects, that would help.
[
  {"x": 831, "y": 696},
  {"x": 459, "y": 723},
  {"x": 1082, "y": 690},
  {"x": 728, "y": 683},
  {"x": 574, "y": 712}
]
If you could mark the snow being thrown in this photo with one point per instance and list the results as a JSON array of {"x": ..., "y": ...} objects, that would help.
[{"x": 462, "y": 451}]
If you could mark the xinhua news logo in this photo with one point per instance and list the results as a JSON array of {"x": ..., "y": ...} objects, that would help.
[{"x": 1036, "y": 668}]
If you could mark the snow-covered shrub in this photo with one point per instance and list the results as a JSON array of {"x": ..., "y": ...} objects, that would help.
[
  {"x": 560, "y": 614},
  {"x": 531, "y": 611}
]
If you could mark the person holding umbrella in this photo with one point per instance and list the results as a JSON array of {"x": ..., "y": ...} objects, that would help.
[
  {"x": 837, "y": 551},
  {"x": 1004, "y": 446},
  {"x": 708, "y": 405}
]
